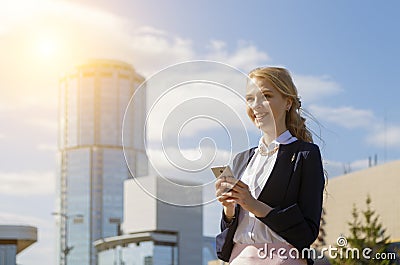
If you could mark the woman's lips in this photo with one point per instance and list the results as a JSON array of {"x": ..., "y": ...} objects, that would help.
[{"x": 260, "y": 116}]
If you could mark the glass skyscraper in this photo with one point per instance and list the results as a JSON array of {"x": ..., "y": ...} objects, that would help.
[{"x": 92, "y": 167}]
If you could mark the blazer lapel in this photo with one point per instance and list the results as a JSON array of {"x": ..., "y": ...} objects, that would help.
[
  {"x": 275, "y": 189},
  {"x": 243, "y": 161}
]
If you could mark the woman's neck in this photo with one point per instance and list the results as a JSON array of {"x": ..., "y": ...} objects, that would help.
[{"x": 268, "y": 137}]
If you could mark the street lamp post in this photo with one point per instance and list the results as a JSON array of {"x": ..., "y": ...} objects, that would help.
[
  {"x": 65, "y": 248},
  {"x": 118, "y": 252}
]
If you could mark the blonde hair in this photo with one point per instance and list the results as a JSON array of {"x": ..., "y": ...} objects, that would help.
[{"x": 282, "y": 81}]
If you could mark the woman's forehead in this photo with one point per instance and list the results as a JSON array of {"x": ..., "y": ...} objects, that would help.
[{"x": 260, "y": 84}]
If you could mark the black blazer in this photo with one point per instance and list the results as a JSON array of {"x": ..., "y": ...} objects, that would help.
[{"x": 294, "y": 190}]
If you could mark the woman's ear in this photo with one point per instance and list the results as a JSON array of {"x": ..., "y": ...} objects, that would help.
[{"x": 289, "y": 103}]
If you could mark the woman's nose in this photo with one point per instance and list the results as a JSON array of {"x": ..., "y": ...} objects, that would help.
[{"x": 257, "y": 104}]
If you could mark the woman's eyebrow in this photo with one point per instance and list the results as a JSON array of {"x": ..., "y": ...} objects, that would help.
[{"x": 265, "y": 90}]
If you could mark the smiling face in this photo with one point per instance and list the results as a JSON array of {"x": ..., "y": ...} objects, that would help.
[{"x": 267, "y": 107}]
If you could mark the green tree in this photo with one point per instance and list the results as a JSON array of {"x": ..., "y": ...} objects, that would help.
[{"x": 366, "y": 233}]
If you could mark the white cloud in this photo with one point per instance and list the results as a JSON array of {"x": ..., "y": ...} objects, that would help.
[
  {"x": 352, "y": 118},
  {"x": 347, "y": 117},
  {"x": 151, "y": 52},
  {"x": 313, "y": 88},
  {"x": 21, "y": 11},
  {"x": 147, "y": 30},
  {"x": 27, "y": 183},
  {"x": 20, "y": 219},
  {"x": 47, "y": 147},
  {"x": 375, "y": 133},
  {"x": 82, "y": 33},
  {"x": 48, "y": 124},
  {"x": 74, "y": 31},
  {"x": 337, "y": 168},
  {"x": 93, "y": 33},
  {"x": 214, "y": 106},
  {"x": 217, "y": 45},
  {"x": 180, "y": 164},
  {"x": 246, "y": 56},
  {"x": 381, "y": 137}
]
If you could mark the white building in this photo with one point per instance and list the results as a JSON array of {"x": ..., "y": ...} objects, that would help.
[{"x": 155, "y": 232}]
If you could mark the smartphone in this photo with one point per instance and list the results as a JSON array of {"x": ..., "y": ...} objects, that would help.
[{"x": 222, "y": 171}]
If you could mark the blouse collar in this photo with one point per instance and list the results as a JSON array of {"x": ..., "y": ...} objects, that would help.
[{"x": 285, "y": 138}]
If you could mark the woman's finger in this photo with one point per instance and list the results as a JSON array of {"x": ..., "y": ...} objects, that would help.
[
  {"x": 224, "y": 198},
  {"x": 225, "y": 182},
  {"x": 236, "y": 182},
  {"x": 242, "y": 184},
  {"x": 231, "y": 180},
  {"x": 218, "y": 182},
  {"x": 241, "y": 189}
]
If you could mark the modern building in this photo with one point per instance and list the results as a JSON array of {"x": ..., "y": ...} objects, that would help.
[
  {"x": 209, "y": 253},
  {"x": 13, "y": 240},
  {"x": 155, "y": 232},
  {"x": 381, "y": 182},
  {"x": 92, "y": 166}
]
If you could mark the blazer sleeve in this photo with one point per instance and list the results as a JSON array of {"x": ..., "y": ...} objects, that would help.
[
  {"x": 299, "y": 223},
  {"x": 224, "y": 240}
]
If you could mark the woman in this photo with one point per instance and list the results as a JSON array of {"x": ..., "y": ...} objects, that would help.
[{"x": 273, "y": 212}]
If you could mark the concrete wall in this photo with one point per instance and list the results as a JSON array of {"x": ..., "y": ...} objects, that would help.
[
  {"x": 187, "y": 220},
  {"x": 139, "y": 206},
  {"x": 143, "y": 212},
  {"x": 381, "y": 182}
]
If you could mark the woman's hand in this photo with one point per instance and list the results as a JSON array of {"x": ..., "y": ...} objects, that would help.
[
  {"x": 239, "y": 193},
  {"x": 222, "y": 186}
]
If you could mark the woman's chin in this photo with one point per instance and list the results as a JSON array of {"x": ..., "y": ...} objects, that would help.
[{"x": 266, "y": 127}]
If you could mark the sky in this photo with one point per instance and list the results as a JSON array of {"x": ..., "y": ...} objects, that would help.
[{"x": 343, "y": 56}]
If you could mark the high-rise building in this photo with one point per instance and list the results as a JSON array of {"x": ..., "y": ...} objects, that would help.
[{"x": 92, "y": 167}]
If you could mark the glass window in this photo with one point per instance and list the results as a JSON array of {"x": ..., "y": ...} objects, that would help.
[
  {"x": 87, "y": 111},
  {"x": 78, "y": 202},
  {"x": 110, "y": 118},
  {"x": 72, "y": 113}
]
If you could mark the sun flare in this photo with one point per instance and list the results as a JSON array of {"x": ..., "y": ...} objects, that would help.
[{"x": 47, "y": 46}]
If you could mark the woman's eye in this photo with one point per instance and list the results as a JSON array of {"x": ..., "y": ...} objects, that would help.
[
  {"x": 268, "y": 95},
  {"x": 249, "y": 99}
]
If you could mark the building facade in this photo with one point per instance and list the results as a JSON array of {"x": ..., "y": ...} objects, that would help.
[
  {"x": 381, "y": 183},
  {"x": 92, "y": 167},
  {"x": 13, "y": 240},
  {"x": 155, "y": 232}
]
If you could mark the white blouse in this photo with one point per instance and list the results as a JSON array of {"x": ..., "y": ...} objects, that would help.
[{"x": 251, "y": 230}]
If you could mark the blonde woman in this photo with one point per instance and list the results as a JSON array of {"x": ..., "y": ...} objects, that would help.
[{"x": 272, "y": 213}]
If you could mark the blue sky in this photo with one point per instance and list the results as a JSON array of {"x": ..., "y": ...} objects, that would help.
[
  {"x": 343, "y": 56},
  {"x": 353, "y": 43}
]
